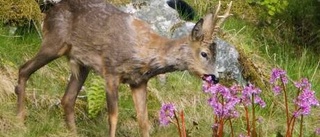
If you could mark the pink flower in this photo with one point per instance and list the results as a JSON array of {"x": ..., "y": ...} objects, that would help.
[
  {"x": 249, "y": 92},
  {"x": 306, "y": 98},
  {"x": 222, "y": 100},
  {"x": 226, "y": 106},
  {"x": 278, "y": 75},
  {"x": 276, "y": 89},
  {"x": 166, "y": 113},
  {"x": 317, "y": 131},
  {"x": 303, "y": 84},
  {"x": 305, "y": 101}
]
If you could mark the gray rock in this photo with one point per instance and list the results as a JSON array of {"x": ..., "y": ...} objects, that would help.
[
  {"x": 157, "y": 13},
  {"x": 227, "y": 61}
]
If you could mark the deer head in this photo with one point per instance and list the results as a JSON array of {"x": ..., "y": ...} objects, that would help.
[{"x": 203, "y": 45}]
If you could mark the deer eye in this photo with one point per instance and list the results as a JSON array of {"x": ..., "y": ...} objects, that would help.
[{"x": 203, "y": 54}]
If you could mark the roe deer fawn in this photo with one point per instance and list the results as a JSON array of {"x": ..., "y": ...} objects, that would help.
[{"x": 95, "y": 35}]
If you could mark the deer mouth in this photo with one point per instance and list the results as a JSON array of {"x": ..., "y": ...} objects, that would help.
[{"x": 210, "y": 78}]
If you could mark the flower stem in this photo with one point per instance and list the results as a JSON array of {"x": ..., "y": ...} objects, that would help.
[
  {"x": 247, "y": 119},
  {"x": 183, "y": 128},
  {"x": 288, "y": 134},
  {"x": 178, "y": 124},
  {"x": 221, "y": 121},
  {"x": 214, "y": 129},
  {"x": 291, "y": 123},
  {"x": 232, "y": 135},
  {"x": 253, "y": 116},
  {"x": 220, "y": 128},
  {"x": 296, "y": 109},
  {"x": 301, "y": 124}
]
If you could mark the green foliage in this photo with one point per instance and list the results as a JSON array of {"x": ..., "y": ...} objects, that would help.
[
  {"x": 201, "y": 7},
  {"x": 19, "y": 12},
  {"x": 297, "y": 26},
  {"x": 303, "y": 19},
  {"x": 274, "y": 6},
  {"x": 96, "y": 96}
]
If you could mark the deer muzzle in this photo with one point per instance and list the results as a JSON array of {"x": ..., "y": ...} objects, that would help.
[{"x": 213, "y": 78}]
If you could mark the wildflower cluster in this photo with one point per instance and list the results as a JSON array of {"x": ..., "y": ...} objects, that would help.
[
  {"x": 278, "y": 79},
  {"x": 303, "y": 102},
  {"x": 166, "y": 114},
  {"x": 306, "y": 98},
  {"x": 224, "y": 100},
  {"x": 251, "y": 92}
]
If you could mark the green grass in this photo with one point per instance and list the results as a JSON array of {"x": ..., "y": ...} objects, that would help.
[{"x": 46, "y": 87}]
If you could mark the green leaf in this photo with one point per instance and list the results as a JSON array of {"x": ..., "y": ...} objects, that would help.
[
  {"x": 274, "y": 1},
  {"x": 285, "y": 3},
  {"x": 96, "y": 97},
  {"x": 271, "y": 13}
]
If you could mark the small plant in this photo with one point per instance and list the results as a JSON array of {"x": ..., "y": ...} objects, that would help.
[
  {"x": 168, "y": 114},
  {"x": 224, "y": 100},
  {"x": 274, "y": 6},
  {"x": 250, "y": 96},
  {"x": 96, "y": 96},
  {"x": 304, "y": 100}
]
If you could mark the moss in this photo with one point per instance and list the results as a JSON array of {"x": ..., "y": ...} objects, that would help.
[
  {"x": 255, "y": 69},
  {"x": 19, "y": 12},
  {"x": 247, "y": 11}
]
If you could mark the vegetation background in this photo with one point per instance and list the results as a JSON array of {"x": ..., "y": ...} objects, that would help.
[{"x": 267, "y": 34}]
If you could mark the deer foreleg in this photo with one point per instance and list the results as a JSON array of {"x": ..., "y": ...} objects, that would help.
[
  {"x": 139, "y": 93},
  {"x": 70, "y": 96},
  {"x": 112, "y": 84}
]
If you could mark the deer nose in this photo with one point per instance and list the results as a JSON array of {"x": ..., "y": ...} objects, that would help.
[{"x": 214, "y": 79}]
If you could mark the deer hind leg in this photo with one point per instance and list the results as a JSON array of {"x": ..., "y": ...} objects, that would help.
[
  {"x": 69, "y": 98},
  {"x": 139, "y": 93},
  {"x": 112, "y": 83},
  {"x": 43, "y": 57}
]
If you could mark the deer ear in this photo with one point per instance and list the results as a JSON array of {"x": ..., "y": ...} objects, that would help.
[{"x": 197, "y": 33}]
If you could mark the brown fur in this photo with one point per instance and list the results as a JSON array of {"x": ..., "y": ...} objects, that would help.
[{"x": 122, "y": 49}]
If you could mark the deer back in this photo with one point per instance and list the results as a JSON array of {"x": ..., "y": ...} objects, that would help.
[
  {"x": 100, "y": 36},
  {"x": 104, "y": 38}
]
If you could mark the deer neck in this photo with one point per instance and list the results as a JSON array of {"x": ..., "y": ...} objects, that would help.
[
  {"x": 176, "y": 53},
  {"x": 171, "y": 55},
  {"x": 157, "y": 54}
]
